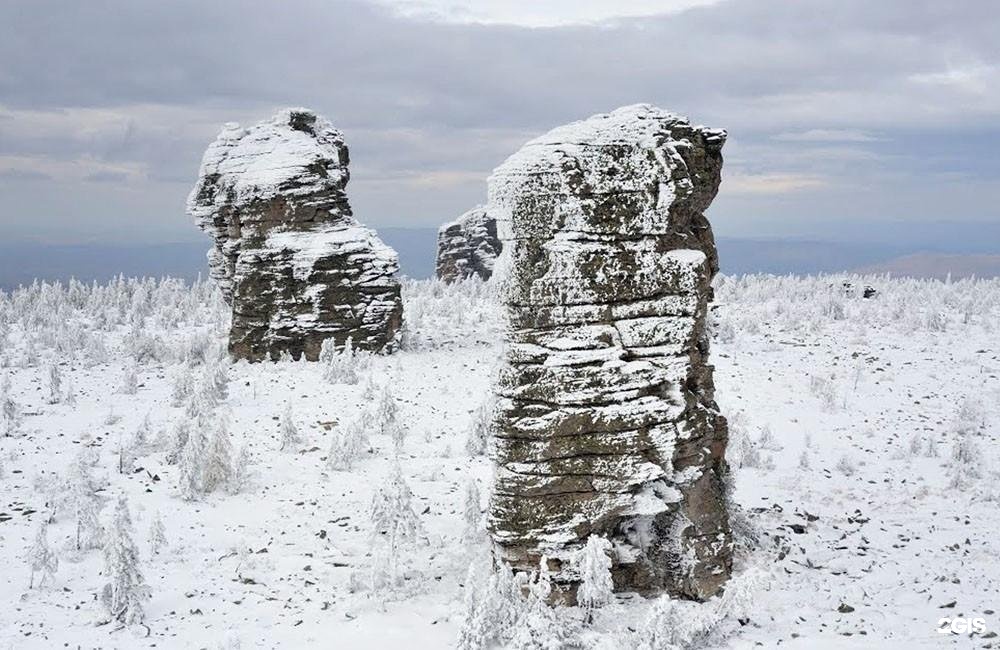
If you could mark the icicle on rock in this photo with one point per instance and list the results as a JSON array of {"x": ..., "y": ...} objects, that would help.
[
  {"x": 606, "y": 422},
  {"x": 467, "y": 246},
  {"x": 290, "y": 257}
]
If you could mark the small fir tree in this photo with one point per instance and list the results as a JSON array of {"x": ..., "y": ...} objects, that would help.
[
  {"x": 290, "y": 438},
  {"x": 126, "y": 589},
  {"x": 157, "y": 535},
  {"x": 41, "y": 559},
  {"x": 55, "y": 384},
  {"x": 596, "y": 587}
]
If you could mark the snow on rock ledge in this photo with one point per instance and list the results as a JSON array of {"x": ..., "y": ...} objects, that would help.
[
  {"x": 606, "y": 421},
  {"x": 290, "y": 258},
  {"x": 467, "y": 246}
]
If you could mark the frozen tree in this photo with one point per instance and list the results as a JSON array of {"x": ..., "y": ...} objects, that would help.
[
  {"x": 191, "y": 465},
  {"x": 394, "y": 524},
  {"x": 140, "y": 439},
  {"x": 370, "y": 388},
  {"x": 130, "y": 379},
  {"x": 492, "y": 608},
  {"x": 540, "y": 627},
  {"x": 290, "y": 438},
  {"x": 473, "y": 513},
  {"x": 241, "y": 471},
  {"x": 965, "y": 466},
  {"x": 55, "y": 384},
  {"x": 218, "y": 463},
  {"x": 157, "y": 535},
  {"x": 176, "y": 441},
  {"x": 126, "y": 455},
  {"x": 340, "y": 366},
  {"x": 40, "y": 558},
  {"x": 804, "y": 459},
  {"x": 69, "y": 392},
  {"x": 122, "y": 596},
  {"x": 479, "y": 432},
  {"x": 347, "y": 446},
  {"x": 594, "y": 564},
  {"x": 383, "y": 418},
  {"x": 84, "y": 503},
  {"x": 217, "y": 377},
  {"x": 10, "y": 411},
  {"x": 183, "y": 387}
]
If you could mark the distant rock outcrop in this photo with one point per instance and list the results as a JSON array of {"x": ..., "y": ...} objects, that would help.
[
  {"x": 467, "y": 246},
  {"x": 606, "y": 422},
  {"x": 290, "y": 258}
]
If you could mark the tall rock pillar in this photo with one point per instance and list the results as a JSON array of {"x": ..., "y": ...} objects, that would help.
[
  {"x": 290, "y": 257},
  {"x": 606, "y": 421}
]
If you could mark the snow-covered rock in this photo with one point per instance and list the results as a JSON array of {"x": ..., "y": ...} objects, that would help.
[
  {"x": 606, "y": 421},
  {"x": 291, "y": 259},
  {"x": 467, "y": 246}
]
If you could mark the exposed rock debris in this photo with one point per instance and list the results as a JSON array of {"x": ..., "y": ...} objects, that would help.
[
  {"x": 467, "y": 246},
  {"x": 606, "y": 421},
  {"x": 291, "y": 259}
]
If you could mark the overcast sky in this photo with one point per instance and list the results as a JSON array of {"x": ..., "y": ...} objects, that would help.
[{"x": 841, "y": 113}]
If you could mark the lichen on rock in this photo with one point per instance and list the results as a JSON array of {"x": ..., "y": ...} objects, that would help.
[
  {"x": 288, "y": 254},
  {"x": 606, "y": 421},
  {"x": 468, "y": 246}
]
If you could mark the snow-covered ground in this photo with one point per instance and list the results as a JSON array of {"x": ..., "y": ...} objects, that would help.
[{"x": 858, "y": 529}]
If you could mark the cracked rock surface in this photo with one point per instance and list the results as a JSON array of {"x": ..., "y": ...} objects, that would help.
[
  {"x": 606, "y": 421},
  {"x": 289, "y": 256},
  {"x": 467, "y": 246}
]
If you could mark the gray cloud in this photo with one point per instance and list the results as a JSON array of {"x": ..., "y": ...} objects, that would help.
[{"x": 823, "y": 99}]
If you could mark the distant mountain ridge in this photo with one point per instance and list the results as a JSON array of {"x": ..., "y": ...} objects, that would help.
[{"x": 20, "y": 264}]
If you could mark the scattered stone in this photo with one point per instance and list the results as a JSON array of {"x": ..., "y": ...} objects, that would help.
[
  {"x": 606, "y": 421},
  {"x": 289, "y": 256}
]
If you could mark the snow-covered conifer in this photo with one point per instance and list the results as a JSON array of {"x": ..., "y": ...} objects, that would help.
[
  {"x": 477, "y": 439},
  {"x": 191, "y": 465},
  {"x": 347, "y": 446},
  {"x": 539, "y": 627},
  {"x": 594, "y": 563},
  {"x": 55, "y": 384},
  {"x": 493, "y": 609},
  {"x": 394, "y": 524},
  {"x": 126, "y": 455},
  {"x": 157, "y": 535},
  {"x": 218, "y": 463},
  {"x": 84, "y": 504},
  {"x": 241, "y": 471},
  {"x": 10, "y": 411},
  {"x": 69, "y": 392},
  {"x": 341, "y": 367},
  {"x": 290, "y": 438},
  {"x": 126, "y": 589},
  {"x": 183, "y": 387},
  {"x": 130, "y": 379},
  {"x": 473, "y": 513},
  {"x": 41, "y": 559}
]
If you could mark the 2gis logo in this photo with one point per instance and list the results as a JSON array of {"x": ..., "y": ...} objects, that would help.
[{"x": 961, "y": 625}]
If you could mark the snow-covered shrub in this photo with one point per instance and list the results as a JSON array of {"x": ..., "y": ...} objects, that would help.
[
  {"x": 347, "y": 446},
  {"x": 477, "y": 439},
  {"x": 492, "y": 608},
  {"x": 680, "y": 625}
]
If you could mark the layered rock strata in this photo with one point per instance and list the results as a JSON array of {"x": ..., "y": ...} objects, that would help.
[
  {"x": 467, "y": 247},
  {"x": 288, "y": 254},
  {"x": 606, "y": 421}
]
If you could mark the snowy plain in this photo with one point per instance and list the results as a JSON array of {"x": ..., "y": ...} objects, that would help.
[{"x": 863, "y": 447}]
